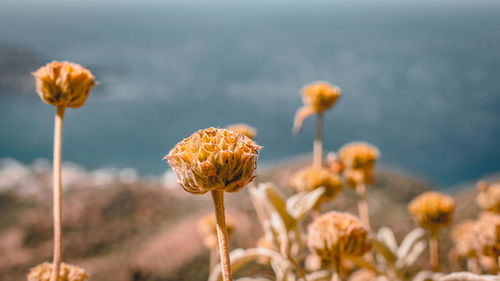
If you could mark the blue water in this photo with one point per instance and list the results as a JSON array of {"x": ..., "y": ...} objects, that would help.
[{"x": 419, "y": 79}]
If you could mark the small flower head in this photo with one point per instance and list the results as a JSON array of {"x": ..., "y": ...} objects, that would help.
[
  {"x": 67, "y": 272},
  {"x": 207, "y": 227},
  {"x": 64, "y": 84},
  {"x": 432, "y": 210},
  {"x": 243, "y": 129},
  {"x": 214, "y": 159},
  {"x": 320, "y": 96},
  {"x": 464, "y": 238},
  {"x": 489, "y": 197},
  {"x": 361, "y": 157},
  {"x": 334, "y": 234},
  {"x": 310, "y": 178},
  {"x": 487, "y": 231}
]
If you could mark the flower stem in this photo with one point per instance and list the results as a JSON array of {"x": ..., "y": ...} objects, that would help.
[
  {"x": 56, "y": 186},
  {"x": 318, "y": 143},
  {"x": 434, "y": 251},
  {"x": 218, "y": 198},
  {"x": 337, "y": 264},
  {"x": 364, "y": 215}
]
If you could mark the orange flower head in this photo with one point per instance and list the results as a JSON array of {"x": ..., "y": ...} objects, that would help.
[
  {"x": 320, "y": 96},
  {"x": 432, "y": 210},
  {"x": 243, "y": 129},
  {"x": 64, "y": 84},
  {"x": 489, "y": 197},
  {"x": 334, "y": 234},
  {"x": 359, "y": 157},
  {"x": 487, "y": 232},
  {"x": 214, "y": 159},
  {"x": 310, "y": 178}
]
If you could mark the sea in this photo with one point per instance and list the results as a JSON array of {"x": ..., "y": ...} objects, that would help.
[{"x": 419, "y": 79}]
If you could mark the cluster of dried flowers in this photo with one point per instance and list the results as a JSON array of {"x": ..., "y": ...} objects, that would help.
[{"x": 336, "y": 245}]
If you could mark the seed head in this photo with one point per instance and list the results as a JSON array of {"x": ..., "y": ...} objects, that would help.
[
  {"x": 489, "y": 197},
  {"x": 464, "y": 238},
  {"x": 333, "y": 234},
  {"x": 214, "y": 159},
  {"x": 432, "y": 210},
  {"x": 64, "y": 83},
  {"x": 487, "y": 231},
  {"x": 360, "y": 157},
  {"x": 310, "y": 178},
  {"x": 67, "y": 272},
  {"x": 243, "y": 129},
  {"x": 207, "y": 227},
  {"x": 320, "y": 96}
]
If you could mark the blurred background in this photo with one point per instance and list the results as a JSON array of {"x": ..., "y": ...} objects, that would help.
[{"x": 419, "y": 79}]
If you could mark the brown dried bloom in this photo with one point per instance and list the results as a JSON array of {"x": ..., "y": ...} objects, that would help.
[
  {"x": 359, "y": 156},
  {"x": 489, "y": 197},
  {"x": 67, "y": 272},
  {"x": 214, "y": 159},
  {"x": 310, "y": 178},
  {"x": 487, "y": 231},
  {"x": 243, "y": 129},
  {"x": 64, "y": 83},
  {"x": 432, "y": 210},
  {"x": 336, "y": 234},
  {"x": 207, "y": 228},
  {"x": 463, "y": 236},
  {"x": 318, "y": 97}
]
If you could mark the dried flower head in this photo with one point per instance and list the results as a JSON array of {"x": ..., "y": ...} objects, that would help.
[
  {"x": 432, "y": 210},
  {"x": 359, "y": 156},
  {"x": 333, "y": 234},
  {"x": 318, "y": 97},
  {"x": 489, "y": 197},
  {"x": 310, "y": 178},
  {"x": 64, "y": 83},
  {"x": 487, "y": 232},
  {"x": 243, "y": 129},
  {"x": 214, "y": 159},
  {"x": 207, "y": 227},
  {"x": 67, "y": 272},
  {"x": 464, "y": 238}
]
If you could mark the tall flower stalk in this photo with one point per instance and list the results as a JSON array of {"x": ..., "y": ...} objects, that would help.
[
  {"x": 317, "y": 97},
  {"x": 62, "y": 84},
  {"x": 215, "y": 160},
  {"x": 433, "y": 211},
  {"x": 358, "y": 160}
]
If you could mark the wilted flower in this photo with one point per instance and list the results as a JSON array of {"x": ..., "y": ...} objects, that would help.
[
  {"x": 243, "y": 129},
  {"x": 214, "y": 159},
  {"x": 432, "y": 210},
  {"x": 489, "y": 197},
  {"x": 207, "y": 228},
  {"x": 64, "y": 84},
  {"x": 67, "y": 272},
  {"x": 359, "y": 157},
  {"x": 334, "y": 234},
  {"x": 463, "y": 236},
  {"x": 318, "y": 97},
  {"x": 487, "y": 231},
  {"x": 310, "y": 178}
]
